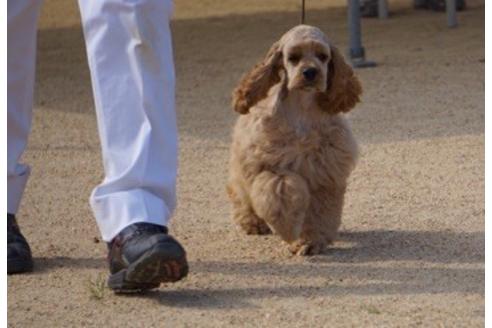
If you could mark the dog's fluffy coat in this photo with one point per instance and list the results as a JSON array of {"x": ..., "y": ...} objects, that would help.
[{"x": 293, "y": 149}]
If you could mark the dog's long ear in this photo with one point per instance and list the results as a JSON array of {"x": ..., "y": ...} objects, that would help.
[
  {"x": 254, "y": 85},
  {"x": 343, "y": 87}
]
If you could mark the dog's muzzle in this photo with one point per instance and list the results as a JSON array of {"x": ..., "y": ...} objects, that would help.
[{"x": 310, "y": 74}]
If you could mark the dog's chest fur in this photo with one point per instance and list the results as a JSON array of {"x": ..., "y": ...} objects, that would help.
[{"x": 301, "y": 140}]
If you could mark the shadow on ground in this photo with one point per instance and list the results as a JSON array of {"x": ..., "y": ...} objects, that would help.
[
  {"x": 433, "y": 252},
  {"x": 397, "y": 281},
  {"x": 46, "y": 264}
]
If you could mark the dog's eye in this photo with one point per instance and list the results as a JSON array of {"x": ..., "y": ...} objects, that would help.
[
  {"x": 294, "y": 58},
  {"x": 323, "y": 57}
]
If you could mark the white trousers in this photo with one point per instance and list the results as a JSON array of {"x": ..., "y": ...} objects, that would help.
[{"x": 129, "y": 49}]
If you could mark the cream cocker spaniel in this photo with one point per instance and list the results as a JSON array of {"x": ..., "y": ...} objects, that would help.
[{"x": 292, "y": 148}]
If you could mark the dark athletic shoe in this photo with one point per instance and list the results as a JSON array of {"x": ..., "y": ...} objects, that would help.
[
  {"x": 19, "y": 258},
  {"x": 142, "y": 256}
]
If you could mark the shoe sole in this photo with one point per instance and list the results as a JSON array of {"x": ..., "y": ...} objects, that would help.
[
  {"x": 19, "y": 266},
  {"x": 153, "y": 268}
]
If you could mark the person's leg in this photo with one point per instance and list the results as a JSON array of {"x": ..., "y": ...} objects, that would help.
[
  {"x": 21, "y": 54},
  {"x": 130, "y": 57}
]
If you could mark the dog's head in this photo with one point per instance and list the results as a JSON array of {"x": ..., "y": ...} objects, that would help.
[{"x": 304, "y": 60}]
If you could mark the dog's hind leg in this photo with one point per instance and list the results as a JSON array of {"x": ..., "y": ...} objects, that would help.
[{"x": 281, "y": 199}]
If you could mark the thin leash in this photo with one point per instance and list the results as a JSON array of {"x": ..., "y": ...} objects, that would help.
[{"x": 303, "y": 12}]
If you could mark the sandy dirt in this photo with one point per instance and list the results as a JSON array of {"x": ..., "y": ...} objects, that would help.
[{"x": 411, "y": 250}]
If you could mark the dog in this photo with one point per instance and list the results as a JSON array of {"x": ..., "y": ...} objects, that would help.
[{"x": 293, "y": 149}]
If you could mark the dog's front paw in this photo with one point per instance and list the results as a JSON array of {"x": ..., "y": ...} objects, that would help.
[
  {"x": 256, "y": 227},
  {"x": 306, "y": 248}
]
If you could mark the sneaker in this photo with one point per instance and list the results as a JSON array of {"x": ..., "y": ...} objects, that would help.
[
  {"x": 142, "y": 256},
  {"x": 19, "y": 258}
]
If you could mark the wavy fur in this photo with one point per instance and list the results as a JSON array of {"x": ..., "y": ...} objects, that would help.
[{"x": 293, "y": 152}]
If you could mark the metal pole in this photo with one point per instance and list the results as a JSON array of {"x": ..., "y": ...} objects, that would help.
[
  {"x": 382, "y": 9},
  {"x": 356, "y": 50},
  {"x": 451, "y": 13},
  {"x": 303, "y": 12}
]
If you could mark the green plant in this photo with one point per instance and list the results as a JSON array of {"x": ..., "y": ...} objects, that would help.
[{"x": 97, "y": 287}]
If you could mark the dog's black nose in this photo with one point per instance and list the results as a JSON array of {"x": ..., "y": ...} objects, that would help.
[{"x": 310, "y": 73}]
